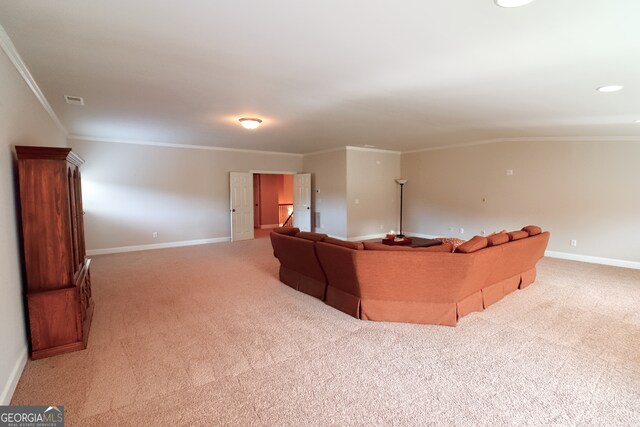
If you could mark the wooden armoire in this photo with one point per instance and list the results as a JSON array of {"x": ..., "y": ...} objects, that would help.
[{"x": 58, "y": 283}]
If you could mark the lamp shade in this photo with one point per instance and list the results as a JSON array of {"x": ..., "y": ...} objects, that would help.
[{"x": 401, "y": 181}]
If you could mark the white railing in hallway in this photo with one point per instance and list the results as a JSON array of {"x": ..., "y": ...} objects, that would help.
[{"x": 284, "y": 211}]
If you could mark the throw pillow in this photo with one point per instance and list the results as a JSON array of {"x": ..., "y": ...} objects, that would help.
[
  {"x": 455, "y": 242},
  {"x": 497, "y": 239},
  {"x": 474, "y": 244},
  {"x": 517, "y": 235},
  {"x": 532, "y": 230}
]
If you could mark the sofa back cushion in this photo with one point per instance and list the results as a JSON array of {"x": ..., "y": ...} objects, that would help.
[
  {"x": 339, "y": 265},
  {"x": 517, "y": 235},
  {"x": 314, "y": 237},
  {"x": 533, "y": 230},
  {"x": 289, "y": 231},
  {"x": 497, "y": 239},
  {"x": 297, "y": 255},
  {"x": 520, "y": 255},
  {"x": 474, "y": 244},
  {"x": 445, "y": 247},
  {"x": 344, "y": 243}
]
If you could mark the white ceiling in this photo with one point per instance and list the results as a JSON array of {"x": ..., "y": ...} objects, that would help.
[{"x": 399, "y": 75}]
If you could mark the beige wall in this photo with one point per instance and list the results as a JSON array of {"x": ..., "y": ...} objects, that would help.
[
  {"x": 372, "y": 193},
  {"x": 285, "y": 192},
  {"x": 130, "y": 191},
  {"x": 329, "y": 176},
  {"x": 270, "y": 186},
  {"x": 23, "y": 121},
  {"x": 585, "y": 191}
]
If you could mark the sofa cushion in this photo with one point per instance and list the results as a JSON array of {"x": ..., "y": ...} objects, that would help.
[
  {"x": 344, "y": 243},
  {"x": 474, "y": 244},
  {"x": 289, "y": 231},
  {"x": 455, "y": 242},
  {"x": 517, "y": 235},
  {"x": 314, "y": 237},
  {"x": 532, "y": 230},
  {"x": 377, "y": 246},
  {"x": 445, "y": 247},
  {"x": 497, "y": 239}
]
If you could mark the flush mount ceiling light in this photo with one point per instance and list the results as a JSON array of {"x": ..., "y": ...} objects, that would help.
[
  {"x": 611, "y": 88},
  {"x": 512, "y": 3},
  {"x": 249, "y": 122}
]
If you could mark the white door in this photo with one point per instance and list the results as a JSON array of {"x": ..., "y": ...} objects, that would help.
[
  {"x": 241, "y": 190},
  {"x": 302, "y": 201}
]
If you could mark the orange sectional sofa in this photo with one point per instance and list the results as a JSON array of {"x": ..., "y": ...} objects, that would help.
[{"x": 417, "y": 285}]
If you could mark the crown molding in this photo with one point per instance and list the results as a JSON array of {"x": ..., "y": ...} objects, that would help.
[
  {"x": 371, "y": 150},
  {"x": 352, "y": 148},
  {"x": 330, "y": 150},
  {"x": 10, "y": 50},
  {"x": 171, "y": 145},
  {"x": 530, "y": 139}
]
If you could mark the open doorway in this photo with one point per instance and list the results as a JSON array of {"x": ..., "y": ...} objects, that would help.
[
  {"x": 280, "y": 194},
  {"x": 273, "y": 202}
]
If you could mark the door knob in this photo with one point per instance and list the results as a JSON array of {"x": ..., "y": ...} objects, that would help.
[
  {"x": 233, "y": 210},
  {"x": 308, "y": 208}
]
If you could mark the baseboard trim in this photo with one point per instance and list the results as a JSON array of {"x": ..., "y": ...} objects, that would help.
[
  {"x": 421, "y": 235},
  {"x": 269, "y": 226},
  {"x": 12, "y": 381},
  {"x": 593, "y": 259},
  {"x": 335, "y": 236},
  {"x": 568, "y": 256},
  {"x": 121, "y": 249}
]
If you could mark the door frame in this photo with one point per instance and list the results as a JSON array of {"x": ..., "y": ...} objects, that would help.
[{"x": 255, "y": 172}]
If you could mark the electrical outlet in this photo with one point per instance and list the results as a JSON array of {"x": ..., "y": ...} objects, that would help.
[
  {"x": 509, "y": 172},
  {"x": 482, "y": 232},
  {"x": 155, "y": 234},
  {"x": 461, "y": 230},
  {"x": 381, "y": 226},
  {"x": 574, "y": 243}
]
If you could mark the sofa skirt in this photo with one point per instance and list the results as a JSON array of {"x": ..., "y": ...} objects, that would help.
[
  {"x": 528, "y": 277},
  {"x": 302, "y": 283},
  {"x": 431, "y": 313},
  {"x": 343, "y": 301}
]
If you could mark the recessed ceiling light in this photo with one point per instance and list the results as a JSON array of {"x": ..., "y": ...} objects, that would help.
[
  {"x": 638, "y": 121},
  {"x": 249, "y": 122},
  {"x": 611, "y": 88},
  {"x": 512, "y": 3}
]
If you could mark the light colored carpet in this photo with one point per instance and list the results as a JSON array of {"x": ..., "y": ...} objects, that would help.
[{"x": 207, "y": 335}]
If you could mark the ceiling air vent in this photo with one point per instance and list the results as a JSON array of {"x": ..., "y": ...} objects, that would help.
[{"x": 74, "y": 100}]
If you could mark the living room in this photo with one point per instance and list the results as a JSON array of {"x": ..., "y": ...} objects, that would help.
[{"x": 497, "y": 117}]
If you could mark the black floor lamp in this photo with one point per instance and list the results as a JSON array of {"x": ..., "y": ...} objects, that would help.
[{"x": 402, "y": 182}]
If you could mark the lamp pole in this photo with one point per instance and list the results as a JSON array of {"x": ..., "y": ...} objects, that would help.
[{"x": 402, "y": 182}]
